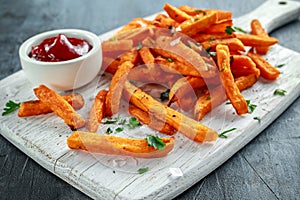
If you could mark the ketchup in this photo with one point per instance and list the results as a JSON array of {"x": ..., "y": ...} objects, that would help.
[{"x": 60, "y": 48}]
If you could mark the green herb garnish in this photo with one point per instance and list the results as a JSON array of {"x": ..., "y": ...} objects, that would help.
[
  {"x": 10, "y": 107},
  {"x": 110, "y": 122},
  {"x": 257, "y": 118},
  {"x": 251, "y": 107},
  {"x": 279, "y": 66},
  {"x": 208, "y": 98},
  {"x": 279, "y": 92},
  {"x": 119, "y": 129},
  {"x": 122, "y": 122},
  {"x": 109, "y": 131},
  {"x": 156, "y": 142},
  {"x": 170, "y": 60},
  {"x": 139, "y": 46},
  {"x": 224, "y": 132},
  {"x": 230, "y": 29},
  {"x": 200, "y": 11},
  {"x": 165, "y": 95},
  {"x": 143, "y": 170},
  {"x": 133, "y": 123}
]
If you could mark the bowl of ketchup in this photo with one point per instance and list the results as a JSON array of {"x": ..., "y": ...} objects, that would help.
[{"x": 63, "y": 59}]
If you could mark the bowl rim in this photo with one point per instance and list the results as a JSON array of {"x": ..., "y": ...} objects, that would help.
[{"x": 26, "y": 46}]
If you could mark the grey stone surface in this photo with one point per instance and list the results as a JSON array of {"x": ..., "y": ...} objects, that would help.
[{"x": 267, "y": 168}]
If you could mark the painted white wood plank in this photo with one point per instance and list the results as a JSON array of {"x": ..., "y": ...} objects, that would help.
[{"x": 102, "y": 176}]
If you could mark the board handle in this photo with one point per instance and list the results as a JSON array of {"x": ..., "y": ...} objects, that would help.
[{"x": 272, "y": 14}]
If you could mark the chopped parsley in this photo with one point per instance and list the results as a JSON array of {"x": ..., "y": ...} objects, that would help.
[
  {"x": 156, "y": 142},
  {"x": 223, "y": 134},
  {"x": 257, "y": 118},
  {"x": 165, "y": 95},
  {"x": 200, "y": 11},
  {"x": 143, "y": 170},
  {"x": 119, "y": 129},
  {"x": 170, "y": 60},
  {"x": 230, "y": 29},
  {"x": 208, "y": 98},
  {"x": 279, "y": 92},
  {"x": 139, "y": 46},
  {"x": 279, "y": 66},
  {"x": 10, "y": 107},
  {"x": 133, "y": 123},
  {"x": 109, "y": 131},
  {"x": 251, "y": 107},
  {"x": 114, "y": 121}
]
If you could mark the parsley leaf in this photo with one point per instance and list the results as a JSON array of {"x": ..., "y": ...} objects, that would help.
[
  {"x": 208, "y": 98},
  {"x": 164, "y": 95},
  {"x": 156, "y": 142},
  {"x": 224, "y": 132},
  {"x": 200, "y": 11},
  {"x": 133, "y": 123},
  {"x": 143, "y": 170},
  {"x": 279, "y": 66},
  {"x": 110, "y": 121},
  {"x": 257, "y": 118},
  {"x": 10, "y": 107},
  {"x": 109, "y": 131},
  {"x": 170, "y": 60},
  {"x": 139, "y": 46},
  {"x": 279, "y": 92},
  {"x": 119, "y": 129},
  {"x": 251, "y": 107},
  {"x": 230, "y": 29}
]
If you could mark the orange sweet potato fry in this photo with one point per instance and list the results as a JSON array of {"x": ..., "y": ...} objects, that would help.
[
  {"x": 234, "y": 44},
  {"x": 114, "y": 94},
  {"x": 257, "y": 29},
  {"x": 116, "y": 45},
  {"x": 37, "y": 107},
  {"x": 255, "y": 40},
  {"x": 146, "y": 55},
  {"x": 151, "y": 121},
  {"x": 242, "y": 65},
  {"x": 97, "y": 111},
  {"x": 219, "y": 27},
  {"x": 108, "y": 144},
  {"x": 232, "y": 91},
  {"x": 195, "y": 25},
  {"x": 59, "y": 106},
  {"x": 164, "y": 21},
  {"x": 267, "y": 71},
  {"x": 175, "y": 13},
  {"x": 216, "y": 96},
  {"x": 187, "y": 126}
]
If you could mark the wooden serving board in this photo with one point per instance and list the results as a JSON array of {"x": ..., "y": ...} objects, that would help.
[{"x": 43, "y": 138}]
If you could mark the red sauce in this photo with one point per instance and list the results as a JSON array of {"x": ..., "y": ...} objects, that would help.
[{"x": 60, "y": 48}]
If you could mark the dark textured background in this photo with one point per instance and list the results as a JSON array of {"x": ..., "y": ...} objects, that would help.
[{"x": 267, "y": 168}]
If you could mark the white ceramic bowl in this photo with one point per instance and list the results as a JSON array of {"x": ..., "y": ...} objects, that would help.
[{"x": 62, "y": 75}]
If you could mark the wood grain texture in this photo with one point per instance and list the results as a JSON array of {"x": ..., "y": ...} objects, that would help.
[{"x": 267, "y": 168}]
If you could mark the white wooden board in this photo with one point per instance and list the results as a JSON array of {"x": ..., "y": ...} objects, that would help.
[{"x": 43, "y": 138}]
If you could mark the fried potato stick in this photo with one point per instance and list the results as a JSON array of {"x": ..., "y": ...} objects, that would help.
[
  {"x": 116, "y": 87},
  {"x": 255, "y": 40},
  {"x": 97, "y": 111},
  {"x": 152, "y": 122},
  {"x": 59, "y": 106},
  {"x": 175, "y": 13},
  {"x": 195, "y": 25},
  {"x": 232, "y": 91},
  {"x": 234, "y": 44},
  {"x": 187, "y": 126},
  {"x": 267, "y": 71},
  {"x": 217, "y": 96},
  {"x": 37, "y": 107},
  {"x": 257, "y": 29},
  {"x": 242, "y": 65},
  {"x": 108, "y": 144}
]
